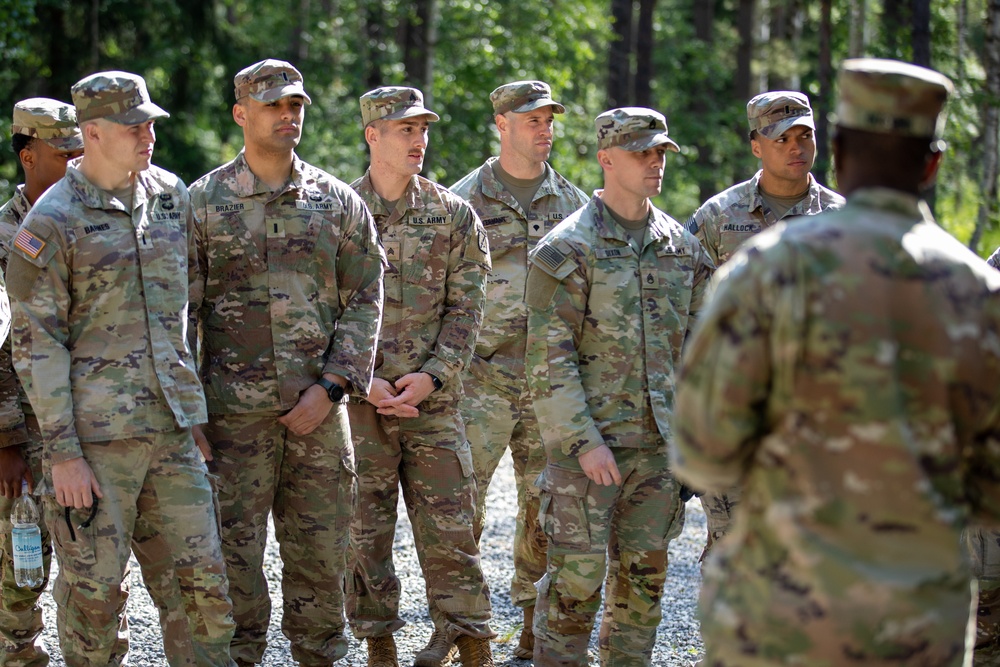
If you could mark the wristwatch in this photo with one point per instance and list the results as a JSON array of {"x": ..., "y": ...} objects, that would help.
[
  {"x": 437, "y": 381},
  {"x": 333, "y": 390}
]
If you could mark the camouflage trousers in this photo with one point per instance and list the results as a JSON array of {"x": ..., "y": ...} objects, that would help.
[
  {"x": 583, "y": 520},
  {"x": 983, "y": 549},
  {"x": 429, "y": 457},
  {"x": 719, "y": 509},
  {"x": 307, "y": 483},
  {"x": 156, "y": 484},
  {"x": 494, "y": 421}
]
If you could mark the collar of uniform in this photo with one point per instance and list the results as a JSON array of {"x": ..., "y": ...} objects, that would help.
[
  {"x": 756, "y": 201},
  {"x": 374, "y": 202},
  {"x": 414, "y": 202},
  {"x": 494, "y": 189},
  {"x": 20, "y": 203},
  {"x": 660, "y": 228},
  {"x": 605, "y": 228},
  {"x": 92, "y": 196},
  {"x": 892, "y": 201},
  {"x": 248, "y": 185}
]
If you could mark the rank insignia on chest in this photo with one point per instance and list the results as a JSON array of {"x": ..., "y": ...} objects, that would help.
[
  {"x": 29, "y": 244},
  {"x": 649, "y": 281}
]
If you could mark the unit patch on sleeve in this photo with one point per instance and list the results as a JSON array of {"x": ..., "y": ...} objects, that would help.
[{"x": 29, "y": 244}]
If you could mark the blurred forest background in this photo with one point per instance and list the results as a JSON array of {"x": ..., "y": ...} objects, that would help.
[{"x": 697, "y": 61}]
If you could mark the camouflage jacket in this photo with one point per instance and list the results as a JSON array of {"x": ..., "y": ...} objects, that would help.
[
  {"x": 844, "y": 373},
  {"x": 12, "y": 396},
  {"x": 499, "y": 357},
  {"x": 293, "y": 286},
  {"x": 435, "y": 282},
  {"x": 100, "y": 305},
  {"x": 729, "y": 218},
  {"x": 605, "y": 329}
]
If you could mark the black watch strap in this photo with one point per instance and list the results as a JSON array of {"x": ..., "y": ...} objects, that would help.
[
  {"x": 333, "y": 390},
  {"x": 436, "y": 380}
]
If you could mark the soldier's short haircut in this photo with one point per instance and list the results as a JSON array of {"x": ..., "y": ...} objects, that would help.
[
  {"x": 753, "y": 135},
  {"x": 18, "y": 142},
  {"x": 905, "y": 156}
]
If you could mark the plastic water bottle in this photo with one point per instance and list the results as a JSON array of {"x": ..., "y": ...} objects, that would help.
[{"x": 27, "y": 541}]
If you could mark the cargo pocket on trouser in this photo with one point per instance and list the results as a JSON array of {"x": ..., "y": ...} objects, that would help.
[
  {"x": 347, "y": 493},
  {"x": 677, "y": 508},
  {"x": 563, "y": 510}
]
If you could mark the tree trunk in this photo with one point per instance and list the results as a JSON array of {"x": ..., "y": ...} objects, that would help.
[
  {"x": 893, "y": 22},
  {"x": 704, "y": 24},
  {"x": 858, "y": 40},
  {"x": 619, "y": 58},
  {"x": 796, "y": 24},
  {"x": 418, "y": 44},
  {"x": 299, "y": 46},
  {"x": 777, "y": 75},
  {"x": 921, "y": 32},
  {"x": 822, "y": 104},
  {"x": 742, "y": 85},
  {"x": 988, "y": 213},
  {"x": 373, "y": 23},
  {"x": 644, "y": 54}
]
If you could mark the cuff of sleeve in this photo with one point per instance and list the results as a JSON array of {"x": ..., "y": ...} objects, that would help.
[
  {"x": 586, "y": 441},
  {"x": 65, "y": 450},
  {"x": 356, "y": 384},
  {"x": 14, "y": 436},
  {"x": 438, "y": 369}
]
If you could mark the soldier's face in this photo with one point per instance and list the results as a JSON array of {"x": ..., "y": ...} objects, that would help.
[
  {"x": 529, "y": 134},
  {"x": 789, "y": 157},
  {"x": 44, "y": 165},
  {"x": 271, "y": 126},
  {"x": 128, "y": 148},
  {"x": 399, "y": 145},
  {"x": 639, "y": 173}
]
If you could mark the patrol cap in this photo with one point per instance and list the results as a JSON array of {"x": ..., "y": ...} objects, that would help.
[
  {"x": 523, "y": 96},
  {"x": 120, "y": 97},
  {"x": 269, "y": 80},
  {"x": 51, "y": 121},
  {"x": 393, "y": 103},
  {"x": 775, "y": 112},
  {"x": 633, "y": 129},
  {"x": 891, "y": 97}
]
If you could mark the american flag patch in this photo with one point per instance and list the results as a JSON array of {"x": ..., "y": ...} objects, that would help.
[{"x": 29, "y": 244}]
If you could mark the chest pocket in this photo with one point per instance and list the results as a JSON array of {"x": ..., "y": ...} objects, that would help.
[
  {"x": 291, "y": 242},
  {"x": 675, "y": 277},
  {"x": 232, "y": 255},
  {"x": 426, "y": 247}
]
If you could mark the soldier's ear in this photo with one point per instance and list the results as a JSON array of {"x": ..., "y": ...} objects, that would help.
[
  {"x": 604, "y": 158},
  {"x": 27, "y": 157},
  {"x": 371, "y": 134},
  {"x": 239, "y": 114},
  {"x": 501, "y": 122},
  {"x": 755, "y": 148}
]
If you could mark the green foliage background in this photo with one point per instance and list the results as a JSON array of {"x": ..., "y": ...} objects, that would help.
[{"x": 189, "y": 50}]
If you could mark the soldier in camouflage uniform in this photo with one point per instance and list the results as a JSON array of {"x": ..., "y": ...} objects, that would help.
[
  {"x": 408, "y": 430},
  {"x": 611, "y": 295},
  {"x": 290, "y": 319},
  {"x": 782, "y": 136},
  {"x": 845, "y": 375},
  {"x": 97, "y": 283},
  {"x": 45, "y": 136},
  {"x": 519, "y": 198}
]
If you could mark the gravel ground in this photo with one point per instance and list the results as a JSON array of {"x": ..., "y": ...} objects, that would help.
[{"x": 678, "y": 642}]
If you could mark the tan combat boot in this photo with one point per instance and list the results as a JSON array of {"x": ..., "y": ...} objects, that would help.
[
  {"x": 475, "y": 652},
  {"x": 382, "y": 652},
  {"x": 525, "y": 648},
  {"x": 439, "y": 652}
]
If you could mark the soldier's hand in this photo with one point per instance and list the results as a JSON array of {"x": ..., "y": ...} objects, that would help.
[
  {"x": 313, "y": 407},
  {"x": 75, "y": 483},
  {"x": 203, "y": 444},
  {"x": 600, "y": 467},
  {"x": 413, "y": 388},
  {"x": 12, "y": 470},
  {"x": 380, "y": 391}
]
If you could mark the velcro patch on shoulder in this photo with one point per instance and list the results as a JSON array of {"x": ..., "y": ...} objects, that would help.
[
  {"x": 21, "y": 276},
  {"x": 540, "y": 288}
]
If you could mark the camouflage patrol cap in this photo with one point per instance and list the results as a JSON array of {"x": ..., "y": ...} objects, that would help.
[
  {"x": 523, "y": 96},
  {"x": 269, "y": 80},
  {"x": 892, "y": 97},
  {"x": 393, "y": 103},
  {"x": 775, "y": 112},
  {"x": 51, "y": 121},
  {"x": 120, "y": 97},
  {"x": 633, "y": 129}
]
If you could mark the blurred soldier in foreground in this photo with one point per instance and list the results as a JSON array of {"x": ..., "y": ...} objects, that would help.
[
  {"x": 519, "y": 198},
  {"x": 782, "y": 136},
  {"x": 99, "y": 283},
  {"x": 611, "y": 294},
  {"x": 290, "y": 318},
  {"x": 845, "y": 375},
  {"x": 408, "y": 430}
]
